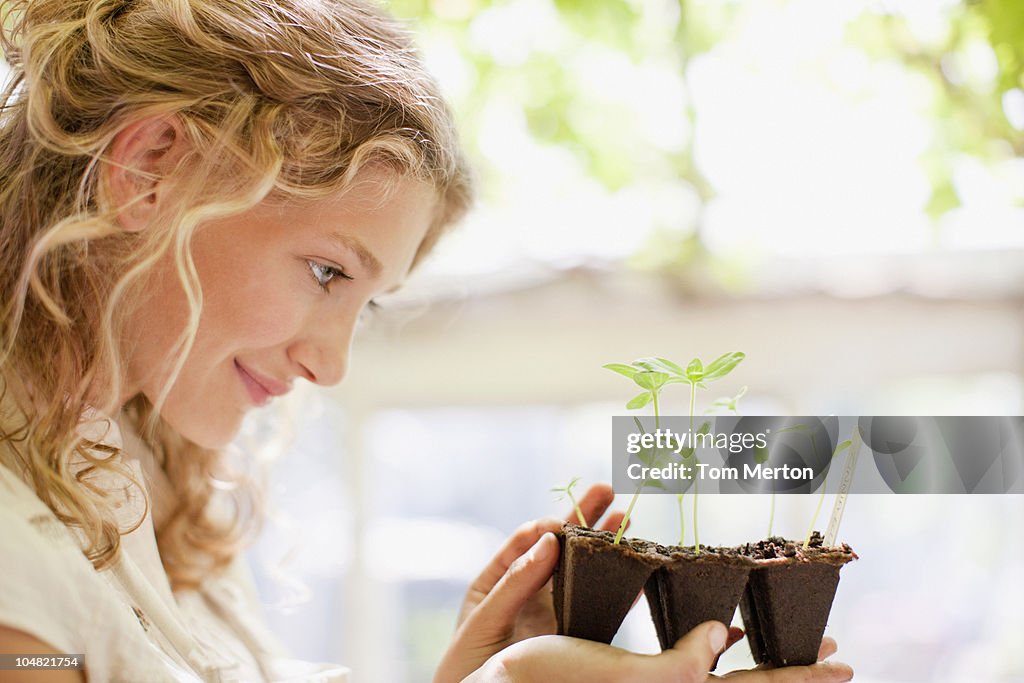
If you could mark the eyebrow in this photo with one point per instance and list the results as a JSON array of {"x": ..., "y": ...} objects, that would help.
[{"x": 366, "y": 258}]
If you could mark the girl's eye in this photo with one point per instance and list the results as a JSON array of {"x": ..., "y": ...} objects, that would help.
[{"x": 323, "y": 274}]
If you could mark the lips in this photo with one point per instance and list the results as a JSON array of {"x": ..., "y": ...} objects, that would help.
[{"x": 261, "y": 389}]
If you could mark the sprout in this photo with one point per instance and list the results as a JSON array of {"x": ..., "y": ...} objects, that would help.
[
  {"x": 651, "y": 379},
  {"x": 696, "y": 375},
  {"x": 566, "y": 492},
  {"x": 726, "y": 403},
  {"x": 652, "y": 375}
]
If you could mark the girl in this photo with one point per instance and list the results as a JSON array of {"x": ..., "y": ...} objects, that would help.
[{"x": 197, "y": 200}]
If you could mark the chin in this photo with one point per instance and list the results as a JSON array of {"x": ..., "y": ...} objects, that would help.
[{"x": 207, "y": 418}]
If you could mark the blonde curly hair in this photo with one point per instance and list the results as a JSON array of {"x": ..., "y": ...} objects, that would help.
[{"x": 285, "y": 98}]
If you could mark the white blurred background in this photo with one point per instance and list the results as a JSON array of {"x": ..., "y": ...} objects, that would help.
[{"x": 834, "y": 188}]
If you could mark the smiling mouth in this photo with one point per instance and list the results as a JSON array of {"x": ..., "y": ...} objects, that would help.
[{"x": 257, "y": 392}]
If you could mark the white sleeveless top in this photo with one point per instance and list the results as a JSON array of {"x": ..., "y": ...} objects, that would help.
[{"x": 126, "y": 620}]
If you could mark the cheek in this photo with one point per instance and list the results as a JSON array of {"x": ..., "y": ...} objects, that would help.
[{"x": 251, "y": 310}]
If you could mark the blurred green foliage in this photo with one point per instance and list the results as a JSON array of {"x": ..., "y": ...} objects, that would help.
[
  {"x": 1004, "y": 23},
  {"x": 968, "y": 111}
]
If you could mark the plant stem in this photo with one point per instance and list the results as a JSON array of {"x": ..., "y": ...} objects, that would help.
[
  {"x": 579, "y": 512},
  {"x": 696, "y": 538},
  {"x": 629, "y": 511},
  {"x": 657, "y": 423},
  {"x": 693, "y": 402},
  {"x": 696, "y": 535},
  {"x": 771, "y": 516},
  {"x": 682, "y": 521}
]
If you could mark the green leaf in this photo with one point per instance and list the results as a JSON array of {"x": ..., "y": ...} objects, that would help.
[
  {"x": 695, "y": 370},
  {"x": 732, "y": 404},
  {"x": 567, "y": 488},
  {"x": 652, "y": 381},
  {"x": 622, "y": 369},
  {"x": 841, "y": 447},
  {"x": 648, "y": 364},
  {"x": 760, "y": 454},
  {"x": 801, "y": 427},
  {"x": 659, "y": 365},
  {"x": 655, "y": 457},
  {"x": 673, "y": 368},
  {"x": 687, "y": 453},
  {"x": 723, "y": 365},
  {"x": 639, "y": 401},
  {"x": 718, "y": 403}
]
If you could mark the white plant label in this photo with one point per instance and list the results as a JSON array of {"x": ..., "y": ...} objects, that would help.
[{"x": 844, "y": 489}]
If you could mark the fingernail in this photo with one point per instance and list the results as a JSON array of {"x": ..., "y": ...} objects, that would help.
[
  {"x": 716, "y": 637},
  {"x": 842, "y": 671}
]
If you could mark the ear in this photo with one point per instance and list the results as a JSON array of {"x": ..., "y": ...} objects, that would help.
[{"x": 138, "y": 166}]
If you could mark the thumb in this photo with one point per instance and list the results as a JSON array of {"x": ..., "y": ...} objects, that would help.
[
  {"x": 496, "y": 614},
  {"x": 695, "y": 652}
]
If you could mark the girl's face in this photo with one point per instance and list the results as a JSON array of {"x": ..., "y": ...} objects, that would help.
[{"x": 283, "y": 288}]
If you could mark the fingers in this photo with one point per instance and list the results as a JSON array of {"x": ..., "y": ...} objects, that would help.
[
  {"x": 828, "y": 648},
  {"x": 518, "y": 543},
  {"x": 495, "y": 617},
  {"x": 612, "y": 522},
  {"x": 826, "y": 672},
  {"x": 823, "y": 672},
  {"x": 593, "y": 504},
  {"x": 695, "y": 652}
]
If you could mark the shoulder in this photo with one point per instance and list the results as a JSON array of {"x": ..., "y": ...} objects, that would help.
[
  {"x": 12, "y": 640},
  {"x": 47, "y": 580},
  {"x": 53, "y": 598}
]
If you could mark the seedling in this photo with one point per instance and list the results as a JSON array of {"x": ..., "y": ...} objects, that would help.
[
  {"x": 652, "y": 374},
  {"x": 726, "y": 403},
  {"x": 696, "y": 375},
  {"x": 689, "y": 459},
  {"x": 652, "y": 381},
  {"x": 566, "y": 492}
]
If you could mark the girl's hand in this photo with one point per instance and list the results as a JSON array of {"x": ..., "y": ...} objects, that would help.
[
  {"x": 570, "y": 660},
  {"x": 822, "y": 671},
  {"x": 511, "y": 599}
]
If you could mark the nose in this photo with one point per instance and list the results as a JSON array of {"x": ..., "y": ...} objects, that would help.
[{"x": 322, "y": 350}]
